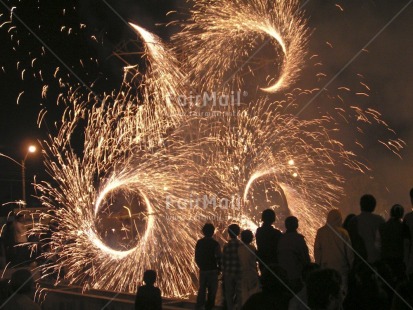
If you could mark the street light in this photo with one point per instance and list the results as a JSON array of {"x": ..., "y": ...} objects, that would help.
[{"x": 31, "y": 149}]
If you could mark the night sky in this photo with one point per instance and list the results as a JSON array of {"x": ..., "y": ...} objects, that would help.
[{"x": 386, "y": 67}]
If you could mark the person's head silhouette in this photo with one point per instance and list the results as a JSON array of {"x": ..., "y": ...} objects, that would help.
[
  {"x": 334, "y": 218},
  {"x": 208, "y": 230},
  {"x": 149, "y": 277},
  {"x": 397, "y": 211},
  {"x": 247, "y": 236},
  {"x": 367, "y": 203},
  {"x": 268, "y": 217},
  {"x": 233, "y": 231},
  {"x": 324, "y": 289},
  {"x": 291, "y": 223}
]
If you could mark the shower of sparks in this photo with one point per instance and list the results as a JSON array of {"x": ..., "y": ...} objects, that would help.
[
  {"x": 233, "y": 30},
  {"x": 160, "y": 168}
]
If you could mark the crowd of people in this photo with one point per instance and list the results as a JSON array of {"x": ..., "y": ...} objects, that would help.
[{"x": 363, "y": 262}]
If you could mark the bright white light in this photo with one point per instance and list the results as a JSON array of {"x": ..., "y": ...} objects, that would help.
[
  {"x": 291, "y": 162},
  {"x": 32, "y": 149},
  {"x": 295, "y": 174}
]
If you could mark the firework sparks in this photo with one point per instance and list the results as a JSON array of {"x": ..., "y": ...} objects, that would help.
[
  {"x": 231, "y": 29},
  {"x": 160, "y": 171}
]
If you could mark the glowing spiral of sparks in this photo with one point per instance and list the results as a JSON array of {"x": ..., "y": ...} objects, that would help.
[{"x": 231, "y": 29}]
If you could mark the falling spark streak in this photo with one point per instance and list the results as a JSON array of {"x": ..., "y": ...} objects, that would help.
[
  {"x": 5, "y": 23},
  {"x": 19, "y": 96}
]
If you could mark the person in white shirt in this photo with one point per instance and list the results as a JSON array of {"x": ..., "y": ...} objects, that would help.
[
  {"x": 332, "y": 246},
  {"x": 248, "y": 262}
]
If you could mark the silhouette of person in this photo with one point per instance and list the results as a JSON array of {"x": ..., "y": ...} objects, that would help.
[
  {"x": 274, "y": 294},
  {"x": 20, "y": 240},
  {"x": 232, "y": 268},
  {"x": 367, "y": 293},
  {"x": 364, "y": 230},
  {"x": 293, "y": 253},
  {"x": 267, "y": 240},
  {"x": 324, "y": 290},
  {"x": 332, "y": 246},
  {"x": 22, "y": 288},
  {"x": 208, "y": 259},
  {"x": 393, "y": 234},
  {"x": 408, "y": 220},
  {"x": 148, "y": 297},
  {"x": 347, "y": 221},
  {"x": 248, "y": 261},
  {"x": 299, "y": 301},
  {"x": 8, "y": 239}
]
